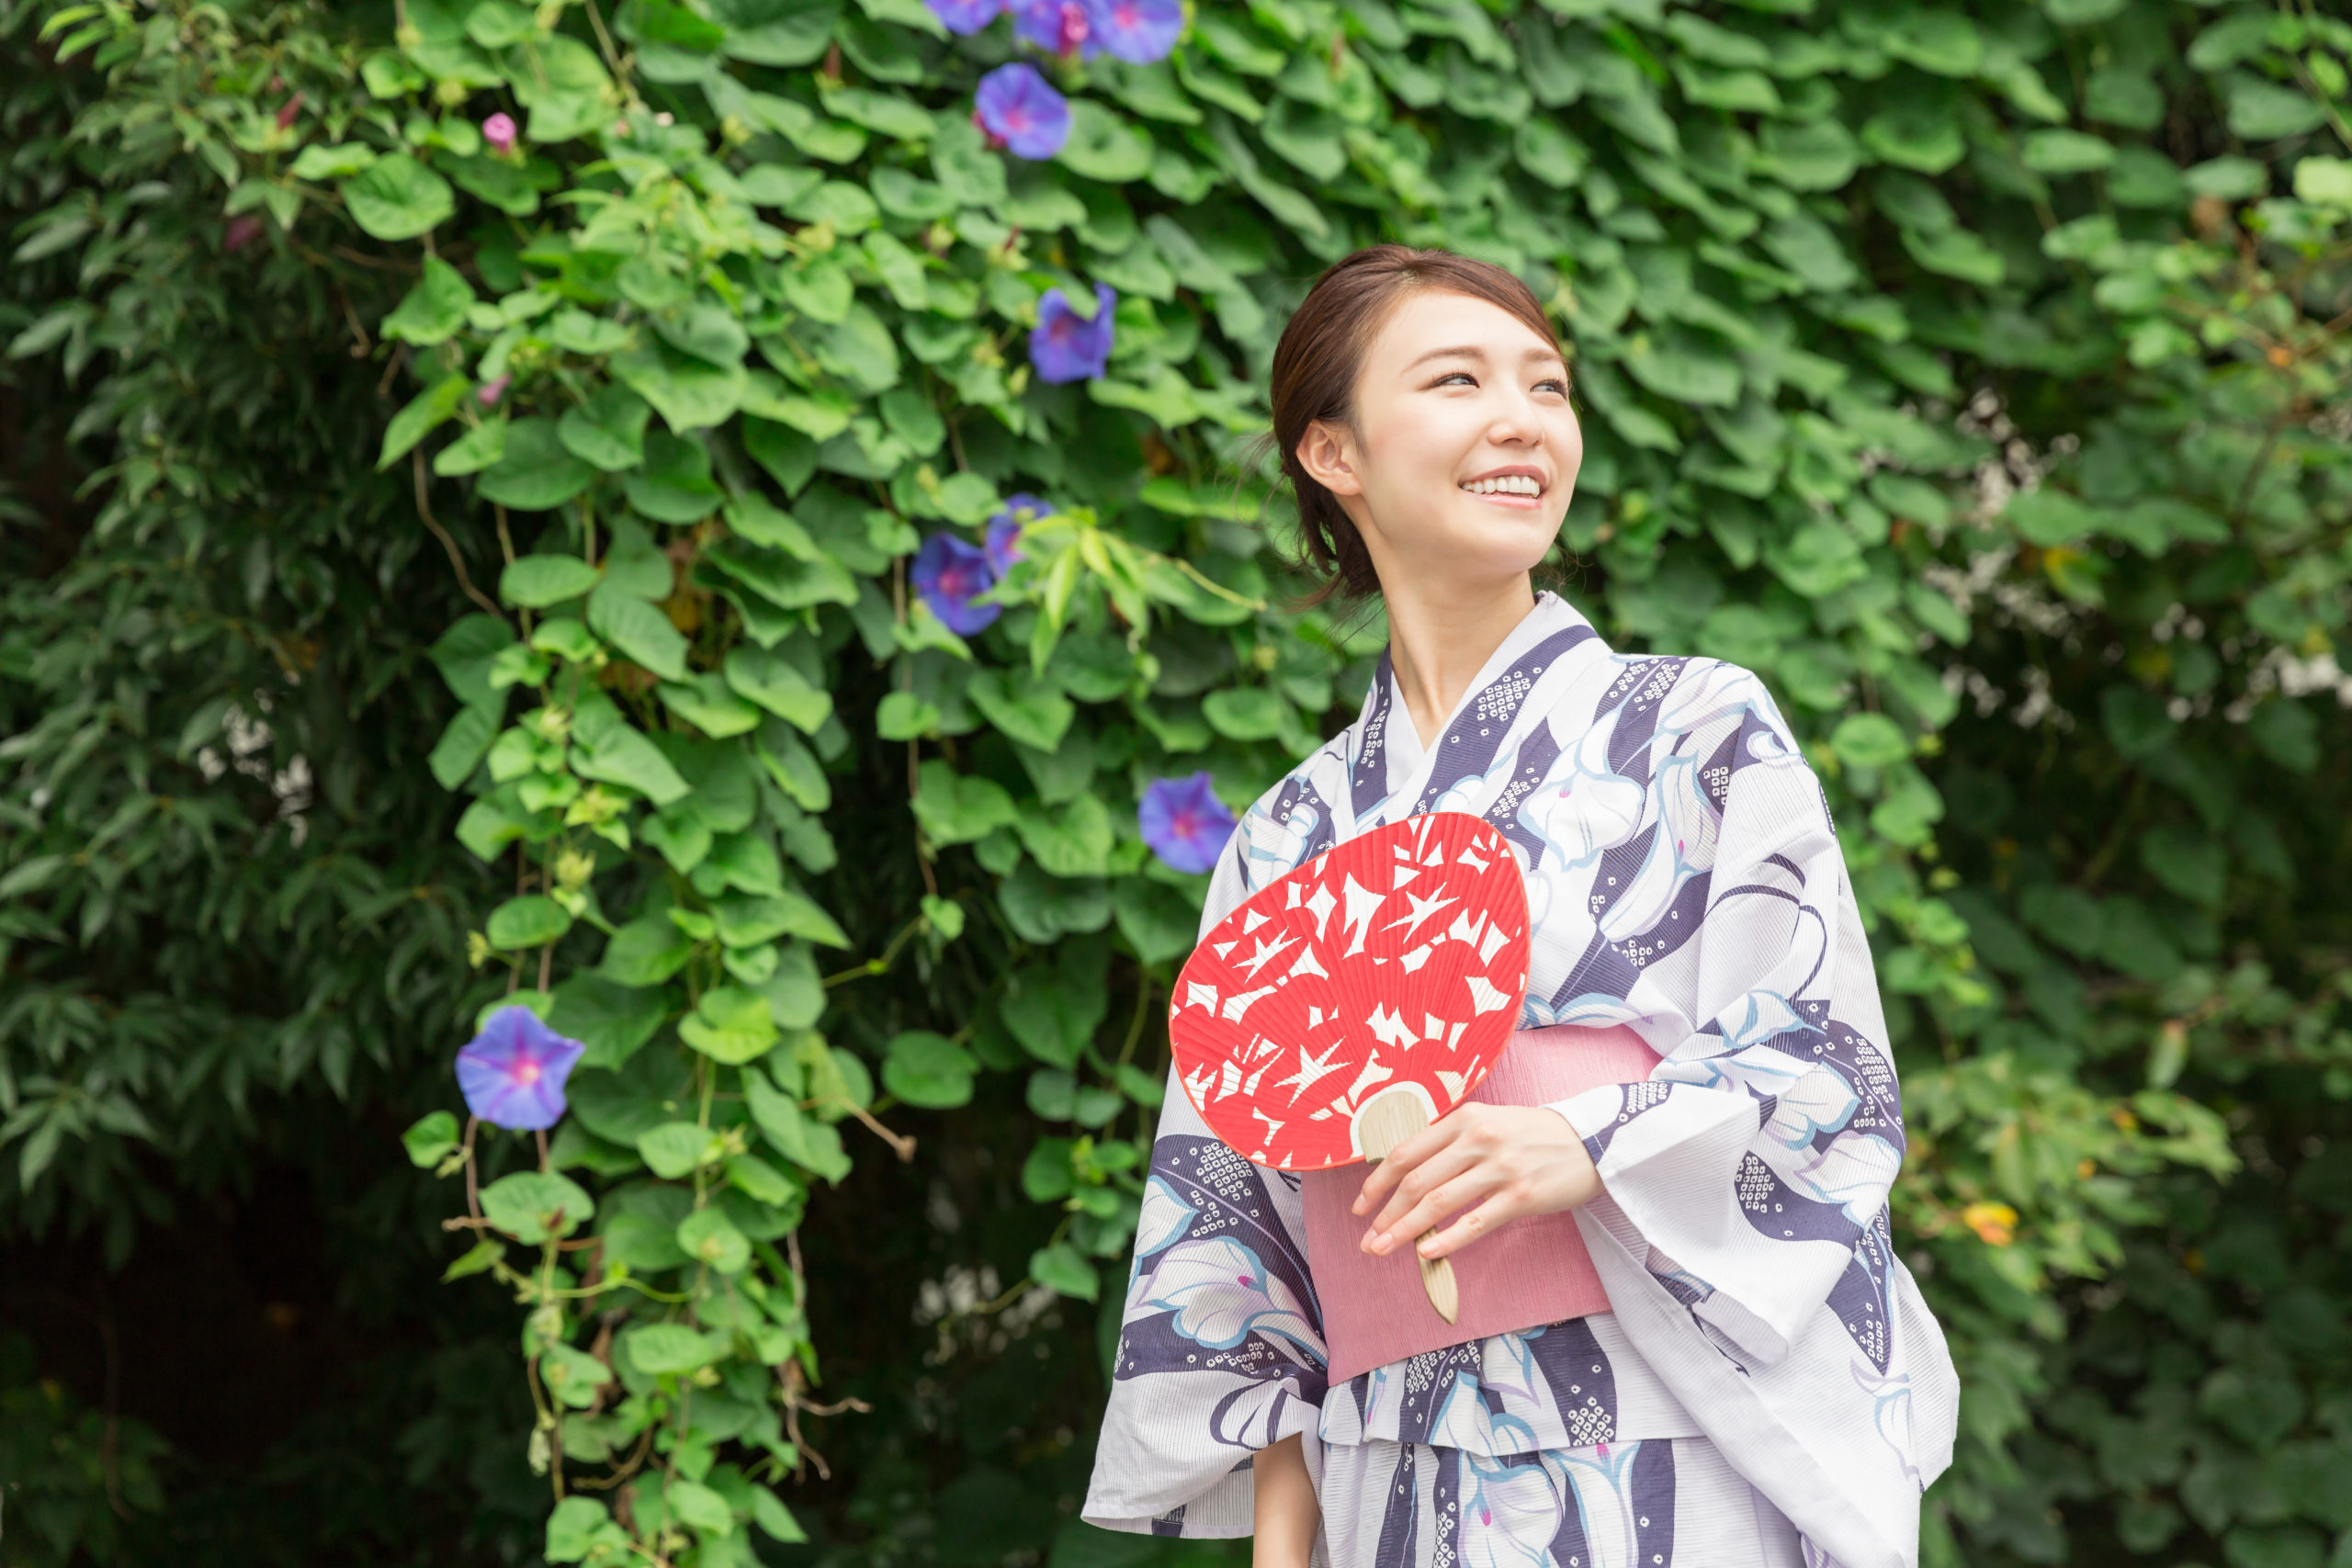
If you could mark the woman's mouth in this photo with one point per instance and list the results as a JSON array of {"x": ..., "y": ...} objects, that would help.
[{"x": 1516, "y": 490}]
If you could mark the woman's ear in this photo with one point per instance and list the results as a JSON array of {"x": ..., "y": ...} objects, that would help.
[{"x": 1328, "y": 454}]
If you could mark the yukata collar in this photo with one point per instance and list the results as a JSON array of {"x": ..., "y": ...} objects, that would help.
[{"x": 1390, "y": 771}]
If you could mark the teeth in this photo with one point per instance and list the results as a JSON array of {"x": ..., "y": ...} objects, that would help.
[{"x": 1512, "y": 484}]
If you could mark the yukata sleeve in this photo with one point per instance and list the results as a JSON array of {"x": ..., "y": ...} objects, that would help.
[
  {"x": 1755, "y": 1163},
  {"x": 1220, "y": 1342}
]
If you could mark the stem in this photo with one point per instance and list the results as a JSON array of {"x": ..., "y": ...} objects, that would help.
[
  {"x": 877, "y": 965},
  {"x": 1135, "y": 1025},
  {"x": 473, "y": 1199},
  {"x": 425, "y": 510}
]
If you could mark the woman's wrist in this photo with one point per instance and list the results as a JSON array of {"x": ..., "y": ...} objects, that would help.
[{"x": 1285, "y": 1514}]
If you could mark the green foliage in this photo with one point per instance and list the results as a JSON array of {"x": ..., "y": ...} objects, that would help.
[{"x": 1929, "y": 363}]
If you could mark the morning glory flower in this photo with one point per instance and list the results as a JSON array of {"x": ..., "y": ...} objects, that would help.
[
  {"x": 512, "y": 1072},
  {"x": 948, "y": 575},
  {"x": 1136, "y": 31},
  {"x": 1060, "y": 26},
  {"x": 1065, "y": 346},
  {"x": 499, "y": 131},
  {"x": 1184, "y": 822},
  {"x": 1003, "y": 540},
  {"x": 1021, "y": 112},
  {"x": 966, "y": 17}
]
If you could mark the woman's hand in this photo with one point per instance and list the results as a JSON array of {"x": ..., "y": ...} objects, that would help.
[
  {"x": 1287, "y": 1515},
  {"x": 1507, "y": 1160}
]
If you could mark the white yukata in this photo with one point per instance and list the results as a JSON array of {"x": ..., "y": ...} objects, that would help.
[{"x": 1768, "y": 1389}]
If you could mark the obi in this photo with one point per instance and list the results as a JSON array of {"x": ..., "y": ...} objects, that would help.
[{"x": 1531, "y": 1271}]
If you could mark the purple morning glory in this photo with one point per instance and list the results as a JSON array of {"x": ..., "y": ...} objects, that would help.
[
  {"x": 1066, "y": 347},
  {"x": 1003, "y": 539},
  {"x": 1136, "y": 31},
  {"x": 948, "y": 575},
  {"x": 1060, "y": 26},
  {"x": 1021, "y": 112},
  {"x": 512, "y": 1072},
  {"x": 966, "y": 16},
  {"x": 1184, "y": 822}
]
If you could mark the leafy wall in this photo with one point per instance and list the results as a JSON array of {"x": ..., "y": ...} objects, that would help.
[{"x": 632, "y": 515}]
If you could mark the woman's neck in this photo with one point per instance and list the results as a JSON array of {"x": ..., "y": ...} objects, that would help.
[{"x": 1439, "y": 642}]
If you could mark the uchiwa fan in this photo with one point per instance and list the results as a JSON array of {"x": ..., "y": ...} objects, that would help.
[{"x": 1344, "y": 1007}]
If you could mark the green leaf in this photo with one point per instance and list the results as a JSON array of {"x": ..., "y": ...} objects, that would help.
[
  {"x": 929, "y": 1071},
  {"x": 676, "y": 1149},
  {"x": 422, "y": 415},
  {"x": 777, "y": 684},
  {"x": 2286, "y": 733},
  {"x": 434, "y": 309},
  {"x": 708, "y": 1235},
  {"x": 537, "y": 472},
  {"x": 608, "y": 430},
  {"x": 773, "y": 1519},
  {"x": 675, "y": 486},
  {"x": 1246, "y": 713},
  {"x": 1870, "y": 740},
  {"x": 532, "y": 1206},
  {"x": 646, "y": 952},
  {"x": 527, "y": 922},
  {"x": 663, "y": 1348},
  {"x": 1042, "y": 908},
  {"x": 396, "y": 197},
  {"x": 732, "y": 1025},
  {"x": 1064, "y": 1270},
  {"x": 707, "y": 702},
  {"x": 1159, "y": 921},
  {"x": 1025, "y": 708},
  {"x": 2066, "y": 153},
  {"x": 638, "y": 631},
  {"x": 538, "y": 582},
  {"x": 322, "y": 161},
  {"x": 2050, "y": 517},
  {"x": 752, "y": 921},
  {"x": 578, "y": 1526},
  {"x": 2324, "y": 182},
  {"x": 1104, "y": 144},
  {"x": 474, "y": 451},
  {"x": 957, "y": 810},
  {"x": 612, "y": 1021},
  {"x": 687, "y": 392},
  {"x": 432, "y": 1139},
  {"x": 1074, "y": 841},
  {"x": 456, "y": 755}
]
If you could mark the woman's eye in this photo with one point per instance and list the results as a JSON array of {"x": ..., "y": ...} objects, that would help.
[
  {"x": 1554, "y": 383},
  {"x": 1463, "y": 375}
]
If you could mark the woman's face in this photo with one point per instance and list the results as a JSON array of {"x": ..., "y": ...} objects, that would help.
[{"x": 1458, "y": 465}]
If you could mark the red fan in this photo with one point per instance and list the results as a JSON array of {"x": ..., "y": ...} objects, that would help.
[{"x": 1348, "y": 1005}]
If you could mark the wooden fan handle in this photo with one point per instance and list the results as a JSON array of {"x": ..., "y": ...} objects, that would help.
[{"x": 1380, "y": 1125}]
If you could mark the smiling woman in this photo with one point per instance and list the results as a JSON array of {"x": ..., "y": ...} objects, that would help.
[{"x": 1699, "y": 1110}]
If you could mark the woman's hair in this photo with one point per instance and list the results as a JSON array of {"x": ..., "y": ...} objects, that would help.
[{"x": 1320, "y": 357}]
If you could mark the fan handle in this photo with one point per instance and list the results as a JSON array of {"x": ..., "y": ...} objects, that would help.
[{"x": 1386, "y": 1121}]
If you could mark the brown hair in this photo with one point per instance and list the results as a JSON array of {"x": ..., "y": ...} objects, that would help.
[{"x": 1320, "y": 357}]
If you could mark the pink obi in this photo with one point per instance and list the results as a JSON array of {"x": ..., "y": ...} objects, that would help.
[{"x": 1533, "y": 1271}]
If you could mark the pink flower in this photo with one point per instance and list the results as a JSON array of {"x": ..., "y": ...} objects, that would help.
[
  {"x": 493, "y": 390},
  {"x": 243, "y": 231},
  {"x": 499, "y": 131}
]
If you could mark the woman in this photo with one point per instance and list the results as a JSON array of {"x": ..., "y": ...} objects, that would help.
[{"x": 1767, "y": 1387}]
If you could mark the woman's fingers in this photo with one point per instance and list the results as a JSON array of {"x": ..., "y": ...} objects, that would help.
[
  {"x": 1499, "y": 1209},
  {"x": 1407, "y": 1183},
  {"x": 1471, "y": 1183},
  {"x": 1402, "y": 1160}
]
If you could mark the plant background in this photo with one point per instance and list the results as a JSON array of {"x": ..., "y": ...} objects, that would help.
[{"x": 1977, "y": 375}]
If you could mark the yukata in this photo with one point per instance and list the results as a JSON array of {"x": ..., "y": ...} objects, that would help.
[{"x": 1769, "y": 1388}]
